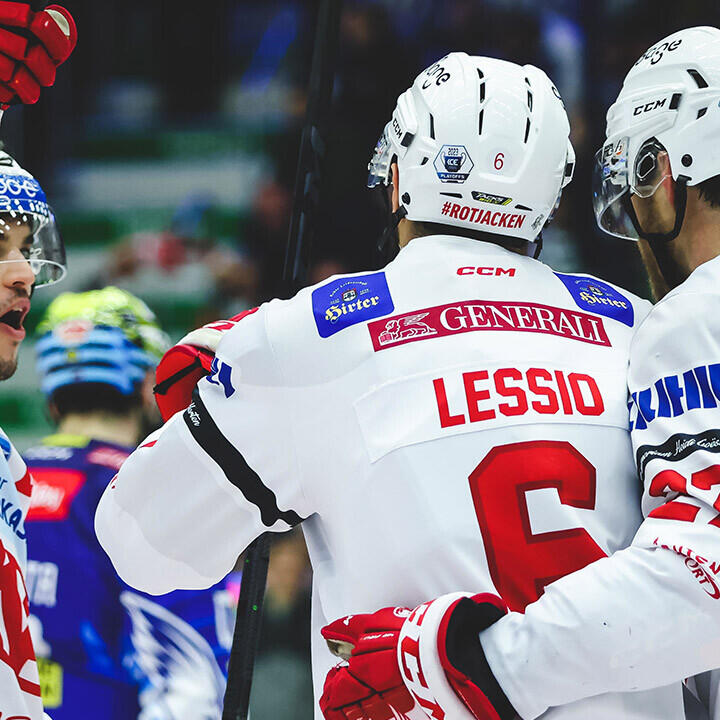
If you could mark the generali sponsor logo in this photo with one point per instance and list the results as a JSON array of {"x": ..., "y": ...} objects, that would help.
[{"x": 478, "y": 315}]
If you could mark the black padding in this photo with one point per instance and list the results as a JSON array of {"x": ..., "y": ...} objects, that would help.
[
  {"x": 465, "y": 653},
  {"x": 232, "y": 463}
]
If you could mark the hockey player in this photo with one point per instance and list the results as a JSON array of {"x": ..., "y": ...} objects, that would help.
[
  {"x": 103, "y": 650},
  {"x": 650, "y": 614},
  {"x": 31, "y": 255},
  {"x": 457, "y": 420}
]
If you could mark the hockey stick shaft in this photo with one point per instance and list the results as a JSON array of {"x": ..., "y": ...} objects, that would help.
[{"x": 302, "y": 227}]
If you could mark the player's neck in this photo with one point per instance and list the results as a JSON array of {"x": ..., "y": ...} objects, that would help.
[
  {"x": 699, "y": 240},
  {"x": 102, "y": 426}
]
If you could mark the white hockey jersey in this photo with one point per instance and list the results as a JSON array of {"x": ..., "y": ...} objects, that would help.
[
  {"x": 456, "y": 421},
  {"x": 650, "y": 613},
  {"x": 19, "y": 681}
]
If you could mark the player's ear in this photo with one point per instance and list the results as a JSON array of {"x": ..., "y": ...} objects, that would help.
[{"x": 395, "y": 197}]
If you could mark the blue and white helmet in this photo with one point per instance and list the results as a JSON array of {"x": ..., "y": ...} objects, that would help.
[
  {"x": 106, "y": 337},
  {"x": 23, "y": 202}
]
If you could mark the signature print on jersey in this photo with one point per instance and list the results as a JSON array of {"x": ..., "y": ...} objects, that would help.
[{"x": 347, "y": 301}]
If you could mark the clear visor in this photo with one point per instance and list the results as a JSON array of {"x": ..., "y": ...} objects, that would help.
[
  {"x": 32, "y": 238},
  {"x": 379, "y": 167},
  {"x": 613, "y": 183}
]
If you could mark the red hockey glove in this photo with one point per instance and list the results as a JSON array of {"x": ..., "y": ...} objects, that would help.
[
  {"x": 186, "y": 363},
  {"x": 32, "y": 46},
  {"x": 370, "y": 684},
  {"x": 436, "y": 653}
]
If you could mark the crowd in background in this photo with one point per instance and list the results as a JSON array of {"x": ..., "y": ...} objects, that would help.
[{"x": 170, "y": 147}]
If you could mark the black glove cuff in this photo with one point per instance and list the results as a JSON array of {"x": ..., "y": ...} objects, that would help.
[{"x": 465, "y": 653}]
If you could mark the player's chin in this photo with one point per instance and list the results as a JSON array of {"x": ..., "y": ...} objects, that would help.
[{"x": 8, "y": 355}]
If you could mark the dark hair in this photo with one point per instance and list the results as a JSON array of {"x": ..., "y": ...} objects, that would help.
[
  {"x": 93, "y": 397},
  {"x": 710, "y": 191}
]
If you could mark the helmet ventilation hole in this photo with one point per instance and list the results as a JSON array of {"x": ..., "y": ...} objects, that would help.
[
  {"x": 482, "y": 85},
  {"x": 432, "y": 126},
  {"x": 698, "y": 78},
  {"x": 480, "y": 122},
  {"x": 530, "y": 101},
  {"x": 675, "y": 101},
  {"x": 424, "y": 161},
  {"x": 701, "y": 112},
  {"x": 527, "y": 130}
]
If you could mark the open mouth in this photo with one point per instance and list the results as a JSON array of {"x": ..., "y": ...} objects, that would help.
[{"x": 13, "y": 318}]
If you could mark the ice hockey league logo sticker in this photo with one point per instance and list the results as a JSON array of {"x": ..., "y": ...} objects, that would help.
[
  {"x": 598, "y": 297},
  {"x": 350, "y": 300},
  {"x": 453, "y": 164}
]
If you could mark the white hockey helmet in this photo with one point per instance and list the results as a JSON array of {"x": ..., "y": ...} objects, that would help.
[
  {"x": 480, "y": 144},
  {"x": 23, "y": 202},
  {"x": 670, "y": 101}
]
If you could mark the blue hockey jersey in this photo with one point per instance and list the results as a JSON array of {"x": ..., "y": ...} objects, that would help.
[{"x": 104, "y": 650}]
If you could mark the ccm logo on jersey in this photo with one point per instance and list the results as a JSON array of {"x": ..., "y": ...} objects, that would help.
[
  {"x": 486, "y": 271},
  {"x": 675, "y": 395},
  {"x": 476, "y": 315},
  {"x": 511, "y": 392}
]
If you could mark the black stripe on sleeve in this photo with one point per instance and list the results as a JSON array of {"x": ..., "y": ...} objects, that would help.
[{"x": 232, "y": 463}]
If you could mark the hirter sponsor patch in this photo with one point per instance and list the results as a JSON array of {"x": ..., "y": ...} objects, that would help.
[
  {"x": 599, "y": 297},
  {"x": 476, "y": 315},
  {"x": 350, "y": 300}
]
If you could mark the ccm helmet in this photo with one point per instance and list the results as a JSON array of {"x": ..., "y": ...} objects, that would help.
[
  {"x": 23, "y": 202},
  {"x": 480, "y": 144},
  {"x": 103, "y": 336},
  {"x": 669, "y": 102}
]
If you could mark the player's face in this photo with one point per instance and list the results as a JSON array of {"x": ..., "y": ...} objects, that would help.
[{"x": 16, "y": 281}]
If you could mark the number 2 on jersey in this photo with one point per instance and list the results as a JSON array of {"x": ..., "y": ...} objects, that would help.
[{"x": 522, "y": 562}]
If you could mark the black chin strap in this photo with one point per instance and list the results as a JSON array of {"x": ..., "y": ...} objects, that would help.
[
  {"x": 388, "y": 244},
  {"x": 660, "y": 242}
]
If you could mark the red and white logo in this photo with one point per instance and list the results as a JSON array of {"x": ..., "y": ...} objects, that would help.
[
  {"x": 53, "y": 492},
  {"x": 405, "y": 328},
  {"x": 112, "y": 458},
  {"x": 478, "y": 315}
]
